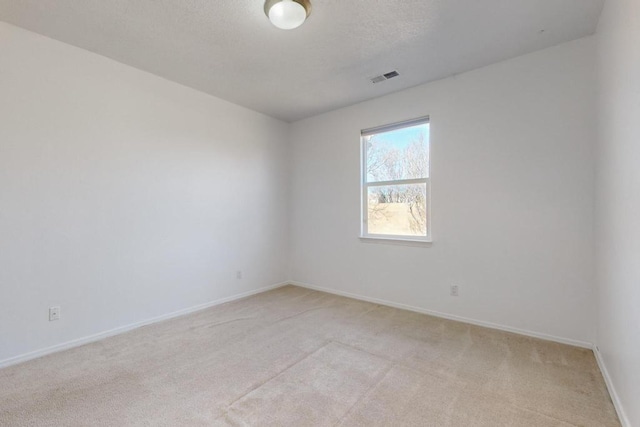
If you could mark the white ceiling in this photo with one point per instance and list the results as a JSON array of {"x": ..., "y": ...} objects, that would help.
[{"x": 229, "y": 49}]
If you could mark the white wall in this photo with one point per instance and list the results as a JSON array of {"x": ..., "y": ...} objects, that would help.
[
  {"x": 618, "y": 202},
  {"x": 124, "y": 196},
  {"x": 512, "y": 181}
]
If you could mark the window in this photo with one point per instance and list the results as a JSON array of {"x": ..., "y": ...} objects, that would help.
[{"x": 395, "y": 181}]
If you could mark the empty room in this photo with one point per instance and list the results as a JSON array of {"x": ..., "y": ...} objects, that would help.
[{"x": 320, "y": 213}]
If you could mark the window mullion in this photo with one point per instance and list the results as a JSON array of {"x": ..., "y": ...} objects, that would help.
[{"x": 397, "y": 182}]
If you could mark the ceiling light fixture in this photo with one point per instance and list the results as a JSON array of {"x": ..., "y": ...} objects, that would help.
[{"x": 287, "y": 14}]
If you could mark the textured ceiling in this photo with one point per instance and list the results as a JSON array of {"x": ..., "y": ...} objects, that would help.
[{"x": 229, "y": 49}]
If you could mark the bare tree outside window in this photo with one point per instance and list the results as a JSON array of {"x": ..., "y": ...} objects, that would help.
[{"x": 395, "y": 181}]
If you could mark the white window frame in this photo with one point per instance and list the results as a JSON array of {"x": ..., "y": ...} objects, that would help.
[{"x": 364, "y": 232}]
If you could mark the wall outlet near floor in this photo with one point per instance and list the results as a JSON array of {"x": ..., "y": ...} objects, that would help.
[
  {"x": 454, "y": 290},
  {"x": 238, "y": 274},
  {"x": 54, "y": 313}
]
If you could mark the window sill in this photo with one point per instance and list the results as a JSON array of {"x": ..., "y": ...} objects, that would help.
[{"x": 396, "y": 241}]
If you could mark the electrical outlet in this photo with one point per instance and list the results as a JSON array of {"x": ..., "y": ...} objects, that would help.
[
  {"x": 238, "y": 274},
  {"x": 454, "y": 290},
  {"x": 54, "y": 313}
]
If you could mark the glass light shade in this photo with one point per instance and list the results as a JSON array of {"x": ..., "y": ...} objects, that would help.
[{"x": 287, "y": 14}]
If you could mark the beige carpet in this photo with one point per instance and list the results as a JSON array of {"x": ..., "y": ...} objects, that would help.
[{"x": 295, "y": 357}]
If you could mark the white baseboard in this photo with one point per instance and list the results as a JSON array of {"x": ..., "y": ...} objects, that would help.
[
  {"x": 122, "y": 329},
  {"x": 622, "y": 415},
  {"x": 569, "y": 341},
  {"x": 101, "y": 335}
]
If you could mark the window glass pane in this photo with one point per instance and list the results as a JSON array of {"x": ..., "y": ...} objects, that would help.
[
  {"x": 398, "y": 154},
  {"x": 397, "y": 210}
]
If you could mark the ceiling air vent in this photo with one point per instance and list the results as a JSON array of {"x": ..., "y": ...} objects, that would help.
[{"x": 385, "y": 76}]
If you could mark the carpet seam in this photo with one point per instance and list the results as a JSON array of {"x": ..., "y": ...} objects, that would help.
[
  {"x": 307, "y": 355},
  {"x": 380, "y": 378}
]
